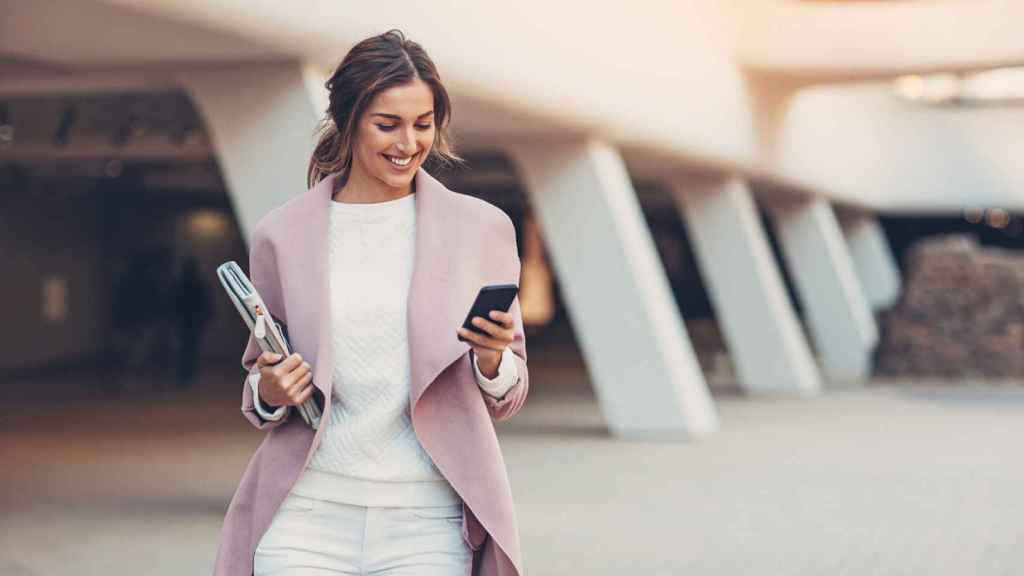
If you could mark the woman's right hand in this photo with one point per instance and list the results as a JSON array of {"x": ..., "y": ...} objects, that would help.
[{"x": 284, "y": 383}]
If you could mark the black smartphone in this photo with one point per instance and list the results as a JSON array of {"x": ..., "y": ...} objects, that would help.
[{"x": 493, "y": 297}]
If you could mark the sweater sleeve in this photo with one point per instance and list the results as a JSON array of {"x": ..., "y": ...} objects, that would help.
[{"x": 508, "y": 375}]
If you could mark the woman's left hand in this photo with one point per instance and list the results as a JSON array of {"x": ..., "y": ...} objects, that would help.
[{"x": 488, "y": 347}]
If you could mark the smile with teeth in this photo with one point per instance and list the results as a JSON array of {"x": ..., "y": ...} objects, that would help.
[{"x": 399, "y": 161}]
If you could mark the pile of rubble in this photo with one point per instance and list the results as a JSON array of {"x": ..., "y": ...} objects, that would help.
[{"x": 961, "y": 313}]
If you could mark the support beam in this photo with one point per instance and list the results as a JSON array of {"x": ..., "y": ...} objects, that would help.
[
  {"x": 872, "y": 258},
  {"x": 763, "y": 334},
  {"x": 93, "y": 82},
  {"x": 643, "y": 367},
  {"x": 837, "y": 313},
  {"x": 261, "y": 120},
  {"x": 82, "y": 150}
]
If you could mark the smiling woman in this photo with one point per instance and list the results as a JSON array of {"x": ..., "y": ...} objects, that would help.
[{"x": 404, "y": 475}]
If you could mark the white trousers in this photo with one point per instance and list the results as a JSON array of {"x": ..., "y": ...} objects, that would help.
[{"x": 310, "y": 536}]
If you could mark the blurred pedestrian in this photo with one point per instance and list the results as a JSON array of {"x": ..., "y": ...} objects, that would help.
[
  {"x": 140, "y": 317},
  {"x": 192, "y": 312}
]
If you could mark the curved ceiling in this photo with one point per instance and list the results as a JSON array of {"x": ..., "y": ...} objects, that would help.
[
  {"x": 842, "y": 41},
  {"x": 658, "y": 79}
]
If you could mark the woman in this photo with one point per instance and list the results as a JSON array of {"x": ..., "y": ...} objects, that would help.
[{"x": 372, "y": 271}]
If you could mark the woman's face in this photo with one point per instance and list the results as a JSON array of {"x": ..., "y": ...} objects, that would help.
[{"x": 395, "y": 134}]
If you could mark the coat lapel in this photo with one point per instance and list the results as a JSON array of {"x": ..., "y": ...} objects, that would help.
[
  {"x": 313, "y": 223},
  {"x": 436, "y": 292}
]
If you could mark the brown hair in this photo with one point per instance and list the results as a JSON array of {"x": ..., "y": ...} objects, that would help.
[{"x": 371, "y": 67}]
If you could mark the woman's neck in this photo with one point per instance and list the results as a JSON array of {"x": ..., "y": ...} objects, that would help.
[{"x": 360, "y": 188}]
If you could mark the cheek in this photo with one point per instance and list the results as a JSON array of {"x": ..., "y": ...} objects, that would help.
[
  {"x": 365, "y": 150},
  {"x": 426, "y": 141},
  {"x": 375, "y": 143}
]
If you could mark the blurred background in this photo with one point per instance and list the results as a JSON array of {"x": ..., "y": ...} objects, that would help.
[{"x": 771, "y": 273}]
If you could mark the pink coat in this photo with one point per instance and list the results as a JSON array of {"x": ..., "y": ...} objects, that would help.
[{"x": 462, "y": 243}]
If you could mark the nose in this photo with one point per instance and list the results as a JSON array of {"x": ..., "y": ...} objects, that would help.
[{"x": 406, "y": 141}]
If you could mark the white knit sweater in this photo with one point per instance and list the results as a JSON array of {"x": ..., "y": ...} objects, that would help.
[{"x": 370, "y": 455}]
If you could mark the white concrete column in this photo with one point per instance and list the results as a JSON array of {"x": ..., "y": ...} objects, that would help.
[
  {"x": 763, "y": 334},
  {"x": 262, "y": 120},
  {"x": 872, "y": 258},
  {"x": 643, "y": 367},
  {"x": 837, "y": 313}
]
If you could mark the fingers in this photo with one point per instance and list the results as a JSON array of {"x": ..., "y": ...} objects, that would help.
[
  {"x": 302, "y": 390},
  {"x": 499, "y": 332},
  {"x": 483, "y": 339},
  {"x": 293, "y": 379},
  {"x": 306, "y": 392},
  {"x": 289, "y": 364},
  {"x": 268, "y": 359},
  {"x": 273, "y": 361},
  {"x": 282, "y": 368},
  {"x": 504, "y": 318}
]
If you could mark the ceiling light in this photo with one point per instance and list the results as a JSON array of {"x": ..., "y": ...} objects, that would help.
[{"x": 997, "y": 86}]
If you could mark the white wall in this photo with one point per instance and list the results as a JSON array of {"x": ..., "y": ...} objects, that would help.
[{"x": 865, "y": 146}]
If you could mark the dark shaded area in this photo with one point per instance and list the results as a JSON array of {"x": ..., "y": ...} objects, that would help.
[{"x": 903, "y": 230}]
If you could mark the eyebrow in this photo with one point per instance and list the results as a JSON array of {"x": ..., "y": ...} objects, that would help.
[{"x": 397, "y": 117}]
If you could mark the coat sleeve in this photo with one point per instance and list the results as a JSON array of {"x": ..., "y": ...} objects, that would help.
[
  {"x": 263, "y": 274},
  {"x": 509, "y": 405}
]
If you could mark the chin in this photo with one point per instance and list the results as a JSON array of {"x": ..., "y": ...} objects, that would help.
[
  {"x": 398, "y": 181},
  {"x": 392, "y": 181}
]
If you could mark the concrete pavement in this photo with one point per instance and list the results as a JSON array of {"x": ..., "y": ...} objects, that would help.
[{"x": 887, "y": 479}]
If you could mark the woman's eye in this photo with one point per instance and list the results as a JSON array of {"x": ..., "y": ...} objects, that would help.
[{"x": 390, "y": 127}]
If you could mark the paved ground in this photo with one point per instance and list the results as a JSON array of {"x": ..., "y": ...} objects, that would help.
[{"x": 888, "y": 479}]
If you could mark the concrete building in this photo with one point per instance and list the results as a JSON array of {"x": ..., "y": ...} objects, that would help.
[{"x": 820, "y": 115}]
